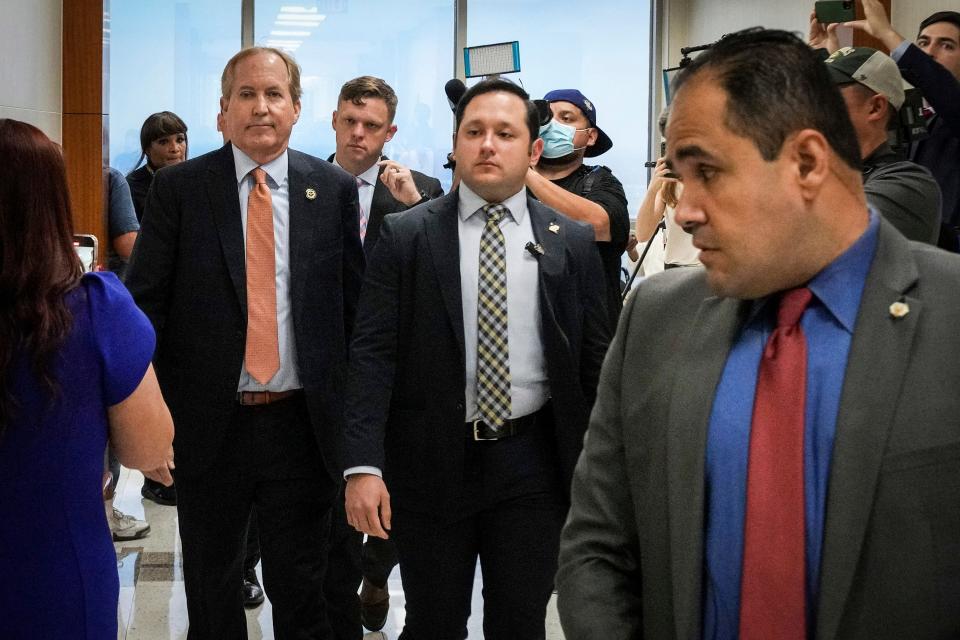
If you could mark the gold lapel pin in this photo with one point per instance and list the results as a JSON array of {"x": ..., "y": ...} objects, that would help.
[
  {"x": 311, "y": 194},
  {"x": 899, "y": 309},
  {"x": 553, "y": 227}
]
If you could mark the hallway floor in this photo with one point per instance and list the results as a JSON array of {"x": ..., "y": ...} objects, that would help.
[{"x": 152, "y": 602}]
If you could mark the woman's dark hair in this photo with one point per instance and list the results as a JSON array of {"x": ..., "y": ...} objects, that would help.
[
  {"x": 38, "y": 264},
  {"x": 156, "y": 126}
]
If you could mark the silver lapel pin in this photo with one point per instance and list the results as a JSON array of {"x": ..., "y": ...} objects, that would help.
[
  {"x": 311, "y": 194},
  {"x": 553, "y": 227}
]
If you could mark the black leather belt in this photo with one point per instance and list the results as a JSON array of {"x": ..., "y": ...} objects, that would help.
[
  {"x": 480, "y": 430},
  {"x": 253, "y": 398}
]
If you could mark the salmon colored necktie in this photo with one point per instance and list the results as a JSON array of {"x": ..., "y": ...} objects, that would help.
[
  {"x": 262, "y": 354},
  {"x": 773, "y": 586}
]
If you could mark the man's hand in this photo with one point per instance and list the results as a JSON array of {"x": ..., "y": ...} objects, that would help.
[
  {"x": 822, "y": 36},
  {"x": 162, "y": 473},
  {"x": 877, "y": 24},
  {"x": 661, "y": 175},
  {"x": 399, "y": 181},
  {"x": 368, "y": 504}
]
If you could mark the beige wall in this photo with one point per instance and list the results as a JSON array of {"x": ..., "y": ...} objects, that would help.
[{"x": 30, "y": 76}]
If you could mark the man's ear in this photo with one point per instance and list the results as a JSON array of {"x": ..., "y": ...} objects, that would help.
[
  {"x": 878, "y": 107},
  {"x": 592, "y": 136},
  {"x": 811, "y": 154},
  {"x": 296, "y": 111},
  {"x": 535, "y": 150},
  {"x": 333, "y": 120},
  {"x": 391, "y": 131}
]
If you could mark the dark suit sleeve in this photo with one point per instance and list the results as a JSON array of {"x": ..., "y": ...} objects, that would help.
[
  {"x": 353, "y": 257},
  {"x": 598, "y": 582},
  {"x": 150, "y": 273},
  {"x": 936, "y": 84},
  {"x": 373, "y": 354},
  {"x": 433, "y": 188},
  {"x": 596, "y": 320}
]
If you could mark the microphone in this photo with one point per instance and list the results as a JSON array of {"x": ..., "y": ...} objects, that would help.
[
  {"x": 536, "y": 250},
  {"x": 454, "y": 89}
]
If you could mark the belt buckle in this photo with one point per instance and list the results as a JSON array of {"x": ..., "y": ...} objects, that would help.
[{"x": 476, "y": 432}]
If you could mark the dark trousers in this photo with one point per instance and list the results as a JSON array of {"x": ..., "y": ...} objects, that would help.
[
  {"x": 270, "y": 463},
  {"x": 508, "y": 515},
  {"x": 343, "y": 575},
  {"x": 253, "y": 545},
  {"x": 349, "y": 560},
  {"x": 378, "y": 558}
]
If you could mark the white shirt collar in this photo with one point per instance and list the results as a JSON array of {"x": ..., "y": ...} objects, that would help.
[
  {"x": 276, "y": 168},
  {"x": 369, "y": 176},
  {"x": 470, "y": 203}
]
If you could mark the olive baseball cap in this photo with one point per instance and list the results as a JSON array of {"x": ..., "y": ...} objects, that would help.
[{"x": 873, "y": 69}]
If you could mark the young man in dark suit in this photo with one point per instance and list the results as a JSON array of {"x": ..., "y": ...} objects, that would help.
[
  {"x": 363, "y": 123},
  {"x": 480, "y": 333},
  {"x": 249, "y": 266}
]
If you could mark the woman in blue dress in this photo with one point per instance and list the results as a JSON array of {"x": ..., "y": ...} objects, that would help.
[{"x": 74, "y": 371}]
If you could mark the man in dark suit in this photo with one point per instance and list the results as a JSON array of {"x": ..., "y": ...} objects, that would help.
[
  {"x": 363, "y": 123},
  {"x": 480, "y": 334},
  {"x": 775, "y": 449},
  {"x": 249, "y": 266}
]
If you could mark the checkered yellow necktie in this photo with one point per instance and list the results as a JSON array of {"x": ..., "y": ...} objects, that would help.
[{"x": 493, "y": 355}]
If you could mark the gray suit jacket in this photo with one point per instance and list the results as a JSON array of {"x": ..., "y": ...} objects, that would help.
[{"x": 631, "y": 559}]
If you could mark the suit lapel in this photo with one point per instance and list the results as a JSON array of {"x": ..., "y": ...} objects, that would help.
[
  {"x": 702, "y": 359},
  {"x": 302, "y": 225},
  {"x": 443, "y": 239},
  {"x": 551, "y": 266},
  {"x": 222, "y": 192},
  {"x": 881, "y": 343}
]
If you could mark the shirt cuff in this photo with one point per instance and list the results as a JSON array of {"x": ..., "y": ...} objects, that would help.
[
  {"x": 355, "y": 470},
  {"x": 900, "y": 50}
]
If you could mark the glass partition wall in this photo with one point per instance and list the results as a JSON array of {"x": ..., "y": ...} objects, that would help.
[{"x": 168, "y": 55}]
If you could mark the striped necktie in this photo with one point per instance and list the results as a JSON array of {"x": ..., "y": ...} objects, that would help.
[{"x": 363, "y": 214}]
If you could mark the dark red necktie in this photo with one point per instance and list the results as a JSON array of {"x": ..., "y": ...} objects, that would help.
[{"x": 773, "y": 586}]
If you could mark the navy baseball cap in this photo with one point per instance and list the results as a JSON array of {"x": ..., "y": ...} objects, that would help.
[{"x": 573, "y": 96}]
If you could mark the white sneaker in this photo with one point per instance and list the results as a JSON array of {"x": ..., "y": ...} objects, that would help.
[{"x": 124, "y": 527}]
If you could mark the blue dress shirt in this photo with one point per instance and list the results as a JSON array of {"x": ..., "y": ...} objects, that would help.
[{"x": 828, "y": 327}]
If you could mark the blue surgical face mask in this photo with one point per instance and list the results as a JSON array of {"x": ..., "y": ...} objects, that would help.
[{"x": 558, "y": 139}]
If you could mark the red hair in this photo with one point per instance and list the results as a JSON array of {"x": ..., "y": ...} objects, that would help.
[{"x": 38, "y": 264}]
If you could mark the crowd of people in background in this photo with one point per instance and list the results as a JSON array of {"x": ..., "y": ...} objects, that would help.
[{"x": 365, "y": 372}]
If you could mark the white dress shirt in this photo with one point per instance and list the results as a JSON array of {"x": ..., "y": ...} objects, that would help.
[
  {"x": 286, "y": 378},
  {"x": 366, "y": 185},
  {"x": 529, "y": 386}
]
